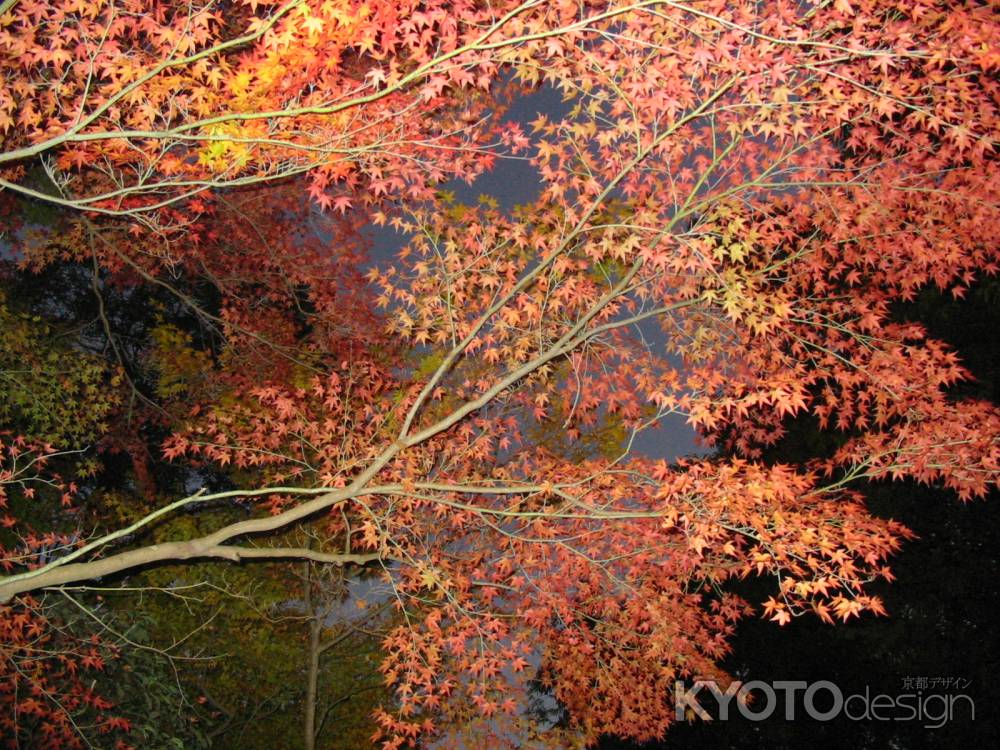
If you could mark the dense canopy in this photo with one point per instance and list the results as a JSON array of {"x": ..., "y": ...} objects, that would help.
[{"x": 204, "y": 361}]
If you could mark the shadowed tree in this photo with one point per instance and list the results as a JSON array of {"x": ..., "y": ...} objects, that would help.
[{"x": 756, "y": 184}]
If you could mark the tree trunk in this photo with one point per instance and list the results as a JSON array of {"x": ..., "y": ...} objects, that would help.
[{"x": 311, "y": 684}]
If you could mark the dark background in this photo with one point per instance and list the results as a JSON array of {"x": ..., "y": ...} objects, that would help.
[{"x": 942, "y": 607}]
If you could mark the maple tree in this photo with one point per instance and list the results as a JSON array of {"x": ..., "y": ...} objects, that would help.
[{"x": 735, "y": 199}]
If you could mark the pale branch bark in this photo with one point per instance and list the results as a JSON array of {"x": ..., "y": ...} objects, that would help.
[
  {"x": 54, "y": 142},
  {"x": 171, "y": 552},
  {"x": 563, "y": 246},
  {"x": 209, "y": 546},
  {"x": 61, "y": 572},
  {"x": 77, "y": 133},
  {"x": 235, "y": 553},
  {"x": 212, "y": 546},
  {"x": 199, "y": 496}
]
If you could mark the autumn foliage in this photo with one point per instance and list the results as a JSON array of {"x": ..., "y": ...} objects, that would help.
[{"x": 730, "y": 202}]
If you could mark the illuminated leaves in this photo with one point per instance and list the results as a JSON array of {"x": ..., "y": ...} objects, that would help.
[{"x": 730, "y": 205}]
